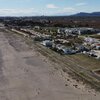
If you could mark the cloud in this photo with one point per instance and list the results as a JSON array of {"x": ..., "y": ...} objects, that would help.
[
  {"x": 51, "y": 6},
  {"x": 17, "y": 12},
  {"x": 34, "y": 12},
  {"x": 62, "y": 11},
  {"x": 81, "y": 4},
  {"x": 37, "y": 12},
  {"x": 68, "y": 9}
]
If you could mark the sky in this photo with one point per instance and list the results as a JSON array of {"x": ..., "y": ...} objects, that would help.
[{"x": 47, "y": 7}]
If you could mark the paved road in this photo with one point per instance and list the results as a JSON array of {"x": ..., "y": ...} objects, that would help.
[{"x": 24, "y": 75}]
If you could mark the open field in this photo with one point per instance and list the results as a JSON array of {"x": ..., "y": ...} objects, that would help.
[{"x": 87, "y": 62}]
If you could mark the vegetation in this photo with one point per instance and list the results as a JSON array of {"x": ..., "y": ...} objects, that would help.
[
  {"x": 96, "y": 36},
  {"x": 59, "y": 21}
]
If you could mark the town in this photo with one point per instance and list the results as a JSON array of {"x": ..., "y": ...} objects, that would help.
[{"x": 66, "y": 41}]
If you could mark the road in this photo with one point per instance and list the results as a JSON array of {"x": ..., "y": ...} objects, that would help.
[{"x": 27, "y": 75}]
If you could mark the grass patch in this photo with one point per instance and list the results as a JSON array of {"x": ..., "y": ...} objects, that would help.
[
  {"x": 88, "y": 62},
  {"x": 95, "y": 36}
]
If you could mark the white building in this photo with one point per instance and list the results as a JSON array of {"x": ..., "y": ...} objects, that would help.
[{"x": 79, "y": 31}]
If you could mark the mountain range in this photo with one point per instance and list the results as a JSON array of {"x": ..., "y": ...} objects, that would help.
[{"x": 87, "y": 14}]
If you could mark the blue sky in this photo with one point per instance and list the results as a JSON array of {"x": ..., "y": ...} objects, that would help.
[{"x": 47, "y": 7}]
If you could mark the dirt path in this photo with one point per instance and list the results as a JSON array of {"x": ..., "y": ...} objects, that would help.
[{"x": 26, "y": 75}]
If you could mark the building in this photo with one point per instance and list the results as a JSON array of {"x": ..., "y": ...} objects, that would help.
[
  {"x": 98, "y": 46},
  {"x": 76, "y": 31},
  {"x": 90, "y": 40},
  {"x": 47, "y": 43},
  {"x": 95, "y": 53}
]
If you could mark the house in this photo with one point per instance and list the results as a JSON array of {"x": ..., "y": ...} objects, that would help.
[
  {"x": 85, "y": 30},
  {"x": 58, "y": 46},
  {"x": 60, "y": 41},
  {"x": 46, "y": 37},
  {"x": 98, "y": 46},
  {"x": 37, "y": 27},
  {"x": 95, "y": 53},
  {"x": 63, "y": 49},
  {"x": 61, "y": 30},
  {"x": 76, "y": 31},
  {"x": 47, "y": 43},
  {"x": 67, "y": 51},
  {"x": 90, "y": 40},
  {"x": 81, "y": 48}
]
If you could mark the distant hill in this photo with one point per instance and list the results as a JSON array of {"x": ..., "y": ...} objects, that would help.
[{"x": 87, "y": 14}]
